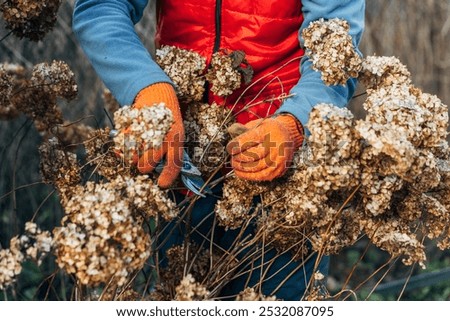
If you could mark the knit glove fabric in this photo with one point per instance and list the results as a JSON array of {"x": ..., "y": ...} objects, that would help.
[
  {"x": 172, "y": 147},
  {"x": 266, "y": 149}
]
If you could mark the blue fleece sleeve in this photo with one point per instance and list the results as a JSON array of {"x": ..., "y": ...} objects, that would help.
[
  {"x": 310, "y": 89},
  {"x": 105, "y": 31}
]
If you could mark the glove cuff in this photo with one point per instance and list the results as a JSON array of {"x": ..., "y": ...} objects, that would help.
[
  {"x": 294, "y": 128},
  {"x": 155, "y": 94}
]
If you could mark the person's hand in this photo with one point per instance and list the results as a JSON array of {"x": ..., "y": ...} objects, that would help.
[
  {"x": 172, "y": 147},
  {"x": 266, "y": 148}
]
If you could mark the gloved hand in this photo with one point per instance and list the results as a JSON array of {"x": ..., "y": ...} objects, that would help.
[
  {"x": 172, "y": 146},
  {"x": 266, "y": 149}
]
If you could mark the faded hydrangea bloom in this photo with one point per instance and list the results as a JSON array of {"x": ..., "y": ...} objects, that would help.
[
  {"x": 380, "y": 71},
  {"x": 189, "y": 290},
  {"x": 59, "y": 168},
  {"x": 185, "y": 68},
  {"x": 34, "y": 244},
  {"x": 148, "y": 198},
  {"x": 11, "y": 76},
  {"x": 10, "y": 263},
  {"x": 101, "y": 154},
  {"x": 206, "y": 135},
  {"x": 37, "y": 97},
  {"x": 100, "y": 238},
  {"x": 56, "y": 77},
  {"x": 331, "y": 51},
  {"x": 31, "y": 19},
  {"x": 249, "y": 294},
  {"x": 141, "y": 129},
  {"x": 223, "y": 74}
]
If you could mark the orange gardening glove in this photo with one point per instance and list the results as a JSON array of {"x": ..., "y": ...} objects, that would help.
[
  {"x": 172, "y": 147},
  {"x": 266, "y": 149}
]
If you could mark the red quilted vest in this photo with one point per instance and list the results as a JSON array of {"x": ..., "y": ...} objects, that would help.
[{"x": 266, "y": 30}]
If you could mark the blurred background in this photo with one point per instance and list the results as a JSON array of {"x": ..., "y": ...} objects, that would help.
[{"x": 416, "y": 31}]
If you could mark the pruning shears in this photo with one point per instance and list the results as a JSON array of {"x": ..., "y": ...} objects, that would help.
[{"x": 190, "y": 174}]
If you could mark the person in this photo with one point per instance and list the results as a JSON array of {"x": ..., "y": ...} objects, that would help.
[{"x": 269, "y": 32}]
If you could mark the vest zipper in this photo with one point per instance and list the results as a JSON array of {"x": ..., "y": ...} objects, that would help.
[{"x": 218, "y": 25}]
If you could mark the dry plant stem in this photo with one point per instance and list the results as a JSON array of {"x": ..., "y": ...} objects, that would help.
[
  {"x": 406, "y": 282},
  {"x": 263, "y": 78},
  {"x": 355, "y": 265},
  {"x": 281, "y": 97},
  {"x": 14, "y": 198},
  {"x": 392, "y": 259},
  {"x": 42, "y": 204},
  {"x": 18, "y": 188},
  {"x": 378, "y": 283},
  {"x": 321, "y": 252}
]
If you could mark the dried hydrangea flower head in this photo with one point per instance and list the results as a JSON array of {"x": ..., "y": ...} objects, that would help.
[
  {"x": 37, "y": 97},
  {"x": 190, "y": 290},
  {"x": 12, "y": 76},
  {"x": 56, "y": 77},
  {"x": 331, "y": 51},
  {"x": 10, "y": 263},
  {"x": 173, "y": 282},
  {"x": 381, "y": 71},
  {"x": 236, "y": 204},
  {"x": 101, "y": 154},
  {"x": 141, "y": 129},
  {"x": 333, "y": 137},
  {"x": 31, "y": 19},
  {"x": 207, "y": 137},
  {"x": 59, "y": 168},
  {"x": 227, "y": 72},
  {"x": 148, "y": 198},
  {"x": 249, "y": 294},
  {"x": 185, "y": 68},
  {"x": 33, "y": 244},
  {"x": 100, "y": 238}
]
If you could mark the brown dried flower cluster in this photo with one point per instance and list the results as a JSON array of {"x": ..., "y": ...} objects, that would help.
[
  {"x": 69, "y": 134},
  {"x": 174, "y": 284},
  {"x": 207, "y": 137},
  {"x": 330, "y": 48},
  {"x": 101, "y": 239},
  {"x": 223, "y": 74},
  {"x": 381, "y": 71},
  {"x": 236, "y": 204},
  {"x": 12, "y": 76},
  {"x": 189, "y": 290},
  {"x": 185, "y": 68},
  {"x": 101, "y": 154},
  {"x": 10, "y": 263},
  {"x": 59, "y": 168},
  {"x": 33, "y": 244},
  {"x": 148, "y": 198},
  {"x": 141, "y": 129},
  {"x": 37, "y": 96},
  {"x": 188, "y": 70},
  {"x": 31, "y": 19},
  {"x": 249, "y": 294},
  {"x": 56, "y": 78}
]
